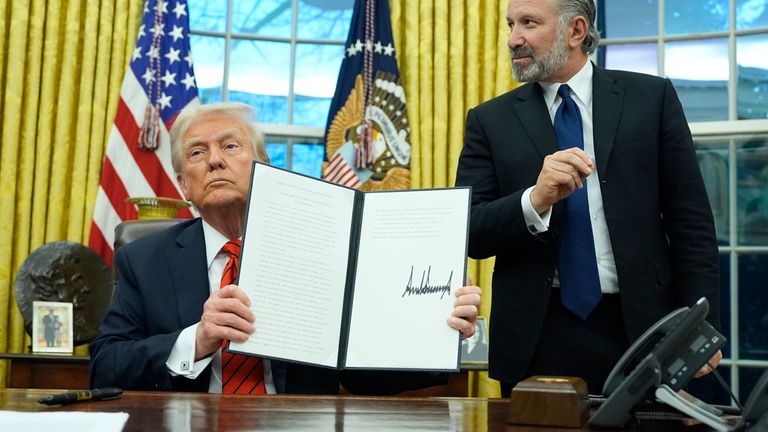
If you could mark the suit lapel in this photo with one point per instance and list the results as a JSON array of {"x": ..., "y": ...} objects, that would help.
[
  {"x": 607, "y": 101},
  {"x": 534, "y": 117},
  {"x": 189, "y": 273}
]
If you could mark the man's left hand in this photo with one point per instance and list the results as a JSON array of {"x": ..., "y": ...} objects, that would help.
[
  {"x": 714, "y": 361},
  {"x": 465, "y": 310}
]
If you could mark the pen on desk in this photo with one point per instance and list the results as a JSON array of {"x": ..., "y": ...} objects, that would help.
[{"x": 106, "y": 393}]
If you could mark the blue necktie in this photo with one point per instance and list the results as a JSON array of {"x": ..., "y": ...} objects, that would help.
[{"x": 577, "y": 265}]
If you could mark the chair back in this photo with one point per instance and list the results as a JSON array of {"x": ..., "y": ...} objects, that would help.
[{"x": 129, "y": 231}]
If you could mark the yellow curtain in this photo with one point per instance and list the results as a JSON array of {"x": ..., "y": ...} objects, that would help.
[
  {"x": 61, "y": 68},
  {"x": 452, "y": 56}
]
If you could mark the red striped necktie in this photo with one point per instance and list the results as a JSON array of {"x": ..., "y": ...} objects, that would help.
[{"x": 240, "y": 374}]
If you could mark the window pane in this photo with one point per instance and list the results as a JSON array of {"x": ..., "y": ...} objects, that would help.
[
  {"x": 751, "y": 14},
  {"x": 324, "y": 19},
  {"x": 695, "y": 16},
  {"x": 307, "y": 158},
  {"x": 753, "y": 307},
  {"x": 317, "y": 69},
  {"x": 277, "y": 152},
  {"x": 752, "y": 189},
  {"x": 207, "y": 15},
  {"x": 208, "y": 58},
  {"x": 699, "y": 70},
  {"x": 634, "y": 57},
  {"x": 262, "y": 17},
  {"x": 747, "y": 379},
  {"x": 713, "y": 161},
  {"x": 258, "y": 76},
  {"x": 752, "y": 71},
  {"x": 629, "y": 18}
]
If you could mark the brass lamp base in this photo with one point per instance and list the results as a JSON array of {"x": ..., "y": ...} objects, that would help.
[{"x": 157, "y": 207}]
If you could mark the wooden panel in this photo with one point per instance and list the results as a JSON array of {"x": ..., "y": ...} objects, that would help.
[{"x": 47, "y": 371}]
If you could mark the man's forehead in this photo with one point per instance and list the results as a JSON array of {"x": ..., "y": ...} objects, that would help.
[
  {"x": 517, "y": 8},
  {"x": 194, "y": 136}
]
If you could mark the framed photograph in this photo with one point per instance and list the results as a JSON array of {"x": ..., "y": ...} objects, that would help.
[
  {"x": 52, "y": 327},
  {"x": 474, "y": 350}
]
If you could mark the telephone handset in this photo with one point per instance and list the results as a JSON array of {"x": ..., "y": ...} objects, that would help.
[
  {"x": 756, "y": 408},
  {"x": 667, "y": 354}
]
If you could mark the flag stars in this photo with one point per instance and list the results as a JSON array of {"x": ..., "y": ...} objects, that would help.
[
  {"x": 148, "y": 76},
  {"x": 188, "y": 81},
  {"x": 164, "y": 100},
  {"x": 180, "y": 9},
  {"x": 169, "y": 78},
  {"x": 141, "y": 30},
  {"x": 177, "y": 33},
  {"x": 136, "y": 53},
  {"x": 369, "y": 45},
  {"x": 188, "y": 59},
  {"x": 153, "y": 52},
  {"x": 162, "y": 7},
  {"x": 157, "y": 30},
  {"x": 173, "y": 55}
]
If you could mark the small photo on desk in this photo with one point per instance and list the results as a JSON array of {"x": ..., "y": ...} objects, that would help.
[{"x": 52, "y": 327}]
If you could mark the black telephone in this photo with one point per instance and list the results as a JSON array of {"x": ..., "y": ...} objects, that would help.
[{"x": 665, "y": 357}]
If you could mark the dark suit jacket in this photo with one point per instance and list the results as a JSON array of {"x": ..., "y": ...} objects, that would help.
[
  {"x": 658, "y": 214},
  {"x": 162, "y": 287}
]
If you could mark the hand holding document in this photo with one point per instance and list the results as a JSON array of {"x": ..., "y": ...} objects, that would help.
[{"x": 346, "y": 279}]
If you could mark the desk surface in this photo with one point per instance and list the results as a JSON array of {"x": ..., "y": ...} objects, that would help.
[{"x": 158, "y": 411}]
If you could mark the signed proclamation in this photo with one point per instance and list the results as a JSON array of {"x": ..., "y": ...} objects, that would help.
[{"x": 346, "y": 279}]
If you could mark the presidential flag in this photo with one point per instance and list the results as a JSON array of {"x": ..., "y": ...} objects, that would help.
[
  {"x": 158, "y": 84},
  {"x": 366, "y": 142}
]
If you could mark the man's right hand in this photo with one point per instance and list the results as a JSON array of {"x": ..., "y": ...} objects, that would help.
[
  {"x": 561, "y": 174},
  {"x": 226, "y": 315}
]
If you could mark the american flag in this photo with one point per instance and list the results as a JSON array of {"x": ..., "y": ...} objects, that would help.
[{"x": 159, "y": 83}]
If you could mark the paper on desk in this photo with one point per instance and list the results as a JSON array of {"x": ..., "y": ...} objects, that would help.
[{"x": 63, "y": 421}]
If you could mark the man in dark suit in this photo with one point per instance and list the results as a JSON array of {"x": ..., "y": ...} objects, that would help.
[
  {"x": 165, "y": 329},
  {"x": 591, "y": 199}
]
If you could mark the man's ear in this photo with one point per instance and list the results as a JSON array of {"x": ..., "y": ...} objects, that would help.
[
  {"x": 578, "y": 32},
  {"x": 182, "y": 185}
]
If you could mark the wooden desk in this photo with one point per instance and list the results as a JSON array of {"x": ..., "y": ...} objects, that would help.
[
  {"x": 155, "y": 411},
  {"x": 47, "y": 371}
]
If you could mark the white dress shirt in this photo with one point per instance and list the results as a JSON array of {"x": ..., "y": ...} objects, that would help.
[
  {"x": 581, "y": 90},
  {"x": 181, "y": 361}
]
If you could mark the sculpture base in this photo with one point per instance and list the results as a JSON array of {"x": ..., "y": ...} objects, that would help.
[{"x": 549, "y": 401}]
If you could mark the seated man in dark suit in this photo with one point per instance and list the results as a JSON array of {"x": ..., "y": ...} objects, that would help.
[{"x": 175, "y": 303}]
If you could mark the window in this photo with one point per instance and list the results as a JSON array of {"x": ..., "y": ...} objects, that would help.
[
  {"x": 714, "y": 53},
  {"x": 280, "y": 56}
]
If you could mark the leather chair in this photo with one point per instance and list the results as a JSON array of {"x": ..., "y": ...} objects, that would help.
[{"x": 128, "y": 231}]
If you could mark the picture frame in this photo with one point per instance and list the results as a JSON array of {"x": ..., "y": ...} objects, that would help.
[
  {"x": 52, "y": 329},
  {"x": 474, "y": 350}
]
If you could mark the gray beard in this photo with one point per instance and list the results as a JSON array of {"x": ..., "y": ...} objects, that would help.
[{"x": 541, "y": 67}]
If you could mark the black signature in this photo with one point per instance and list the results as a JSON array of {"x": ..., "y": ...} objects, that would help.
[{"x": 424, "y": 287}]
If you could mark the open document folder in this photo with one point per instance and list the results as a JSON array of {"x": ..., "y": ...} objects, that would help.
[{"x": 346, "y": 279}]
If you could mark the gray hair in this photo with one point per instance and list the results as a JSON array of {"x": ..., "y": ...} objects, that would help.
[
  {"x": 240, "y": 112},
  {"x": 570, "y": 9}
]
